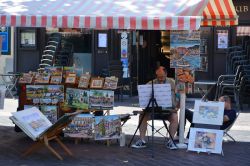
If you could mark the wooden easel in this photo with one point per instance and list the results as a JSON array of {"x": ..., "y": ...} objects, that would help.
[{"x": 51, "y": 134}]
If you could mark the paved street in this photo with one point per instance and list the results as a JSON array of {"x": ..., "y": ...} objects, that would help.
[{"x": 89, "y": 152}]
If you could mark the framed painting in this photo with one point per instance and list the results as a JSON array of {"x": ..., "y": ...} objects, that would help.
[
  {"x": 210, "y": 112},
  {"x": 205, "y": 140},
  {"x": 56, "y": 79},
  {"x": 70, "y": 80},
  {"x": 110, "y": 83},
  {"x": 101, "y": 99},
  {"x": 84, "y": 81},
  {"x": 96, "y": 82}
]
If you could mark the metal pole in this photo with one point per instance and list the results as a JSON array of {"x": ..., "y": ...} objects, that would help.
[{"x": 181, "y": 143}]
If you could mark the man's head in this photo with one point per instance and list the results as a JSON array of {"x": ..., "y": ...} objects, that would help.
[
  {"x": 161, "y": 74},
  {"x": 227, "y": 101}
]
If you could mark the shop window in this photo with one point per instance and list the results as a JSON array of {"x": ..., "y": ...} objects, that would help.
[{"x": 28, "y": 38}]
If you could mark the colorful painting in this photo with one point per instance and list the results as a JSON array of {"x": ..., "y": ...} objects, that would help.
[
  {"x": 80, "y": 127},
  {"x": 56, "y": 79},
  {"x": 96, "y": 82},
  {"x": 26, "y": 78},
  {"x": 110, "y": 83},
  {"x": 45, "y": 93},
  {"x": 54, "y": 71},
  {"x": 77, "y": 98},
  {"x": 50, "y": 112},
  {"x": 42, "y": 78},
  {"x": 205, "y": 140},
  {"x": 185, "y": 49},
  {"x": 185, "y": 79},
  {"x": 208, "y": 112},
  {"x": 107, "y": 127},
  {"x": 101, "y": 99},
  {"x": 84, "y": 81}
]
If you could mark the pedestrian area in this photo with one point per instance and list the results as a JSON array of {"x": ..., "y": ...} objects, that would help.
[{"x": 89, "y": 152}]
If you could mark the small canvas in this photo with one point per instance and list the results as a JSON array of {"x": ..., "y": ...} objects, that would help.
[
  {"x": 50, "y": 112},
  {"x": 77, "y": 98},
  {"x": 26, "y": 78},
  {"x": 42, "y": 78},
  {"x": 84, "y": 81},
  {"x": 107, "y": 127},
  {"x": 185, "y": 77},
  {"x": 54, "y": 71},
  {"x": 34, "y": 91},
  {"x": 70, "y": 79},
  {"x": 208, "y": 112},
  {"x": 80, "y": 127},
  {"x": 205, "y": 140},
  {"x": 110, "y": 83},
  {"x": 56, "y": 79},
  {"x": 96, "y": 82},
  {"x": 101, "y": 99}
]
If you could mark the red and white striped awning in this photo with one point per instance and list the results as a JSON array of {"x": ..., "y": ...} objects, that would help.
[
  {"x": 243, "y": 31},
  {"x": 219, "y": 13},
  {"x": 103, "y": 14}
]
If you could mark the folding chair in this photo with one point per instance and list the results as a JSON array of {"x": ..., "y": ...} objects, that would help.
[{"x": 229, "y": 127}]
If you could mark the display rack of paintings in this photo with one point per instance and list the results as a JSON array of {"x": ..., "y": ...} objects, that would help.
[
  {"x": 205, "y": 140},
  {"x": 185, "y": 80},
  {"x": 96, "y": 82},
  {"x": 70, "y": 78},
  {"x": 110, "y": 83},
  {"x": 77, "y": 98},
  {"x": 26, "y": 78},
  {"x": 107, "y": 127},
  {"x": 80, "y": 127},
  {"x": 84, "y": 81},
  {"x": 101, "y": 99},
  {"x": 45, "y": 94}
]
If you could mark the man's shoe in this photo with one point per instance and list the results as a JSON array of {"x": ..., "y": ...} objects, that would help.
[
  {"x": 170, "y": 145},
  {"x": 139, "y": 144}
]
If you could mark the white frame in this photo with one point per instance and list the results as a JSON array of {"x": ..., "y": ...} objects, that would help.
[
  {"x": 210, "y": 119},
  {"x": 197, "y": 139}
]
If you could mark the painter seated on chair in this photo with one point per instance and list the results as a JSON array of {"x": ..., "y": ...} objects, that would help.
[
  {"x": 228, "y": 118},
  {"x": 161, "y": 78}
]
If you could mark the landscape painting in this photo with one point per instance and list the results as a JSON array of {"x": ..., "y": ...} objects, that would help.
[
  {"x": 107, "y": 127},
  {"x": 80, "y": 127},
  {"x": 208, "y": 112},
  {"x": 185, "y": 49},
  {"x": 77, "y": 98},
  {"x": 101, "y": 99}
]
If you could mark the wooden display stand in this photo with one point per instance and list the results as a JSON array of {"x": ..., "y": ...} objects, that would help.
[{"x": 52, "y": 133}]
